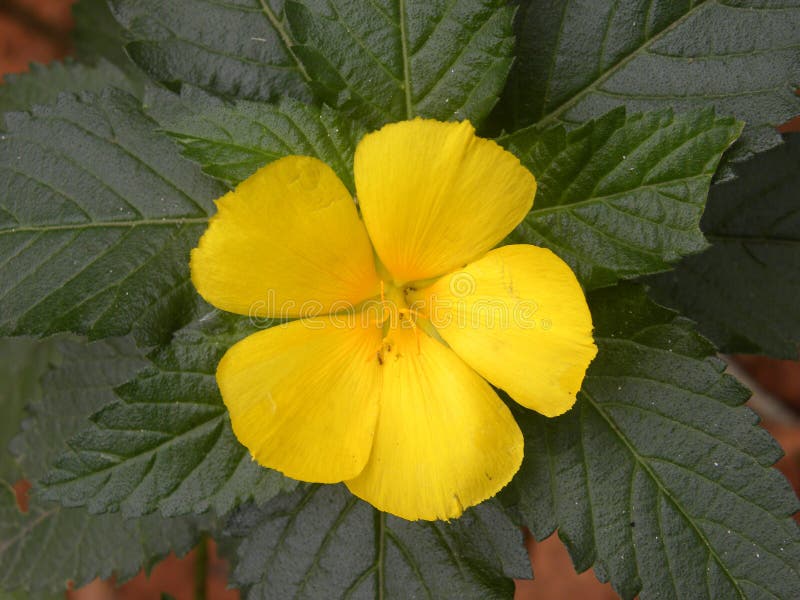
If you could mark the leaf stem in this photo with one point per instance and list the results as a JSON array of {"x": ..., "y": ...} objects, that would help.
[
  {"x": 381, "y": 519},
  {"x": 201, "y": 569}
]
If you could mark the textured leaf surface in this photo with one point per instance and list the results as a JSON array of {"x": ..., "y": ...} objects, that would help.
[
  {"x": 97, "y": 216},
  {"x": 49, "y": 545},
  {"x": 238, "y": 48},
  {"x": 743, "y": 290},
  {"x": 577, "y": 60},
  {"x": 43, "y": 83},
  {"x": 23, "y": 362},
  {"x": 43, "y": 549},
  {"x": 231, "y": 141},
  {"x": 323, "y": 542},
  {"x": 659, "y": 476},
  {"x": 619, "y": 197},
  {"x": 82, "y": 383},
  {"x": 98, "y": 37},
  {"x": 167, "y": 442},
  {"x": 392, "y": 60}
]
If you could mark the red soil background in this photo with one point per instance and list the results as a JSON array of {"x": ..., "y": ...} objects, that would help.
[{"x": 39, "y": 31}]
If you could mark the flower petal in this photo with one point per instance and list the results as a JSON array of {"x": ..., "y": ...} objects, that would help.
[
  {"x": 287, "y": 242},
  {"x": 434, "y": 196},
  {"x": 303, "y": 396},
  {"x": 518, "y": 316},
  {"x": 444, "y": 440}
]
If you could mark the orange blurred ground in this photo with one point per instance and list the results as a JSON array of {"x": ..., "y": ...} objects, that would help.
[{"x": 38, "y": 30}]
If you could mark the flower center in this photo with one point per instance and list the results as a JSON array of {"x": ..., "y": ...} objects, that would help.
[
  {"x": 395, "y": 308},
  {"x": 399, "y": 318}
]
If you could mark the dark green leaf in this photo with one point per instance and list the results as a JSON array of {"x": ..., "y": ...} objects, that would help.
[
  {"x": 743, "y": 290},
  {"x": 97, "y": 217},
  {"x": 577, "y": 60},
  {"x": 323, "y": 542},
  {"x": 23, "y": 362},
  {"x": 43, "y": 549},
  {"x": 47, "y": 546},
  {"x": 231, "y": 141},
  {"x": 167, "y": 442},
  {"x": 98, "y": 37},
  {"x": 23, "y": 595},
  {"x": 620, "y": 197},
  {"x": 82, "y": 383},
  {"x": 659, "y": 476},
  {"x": 239, "y": 48},
  {"x": 44, "y": 83},
  {"x": 387, "y": 61}
]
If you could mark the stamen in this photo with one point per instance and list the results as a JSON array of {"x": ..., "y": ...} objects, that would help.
[{"x": 411, "y": 315}]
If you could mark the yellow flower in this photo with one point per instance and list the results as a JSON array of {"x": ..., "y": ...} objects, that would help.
[{"x": 404, "y": 318}]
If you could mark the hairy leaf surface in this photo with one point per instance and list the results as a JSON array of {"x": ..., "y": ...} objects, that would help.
[
  {"x": 622, "y": 196},
  {"x": 322, "y": 541},
  {"x": 44, "y": 548},
  {"x": 577, "y": 60},
  {"x": 98, "y": 213},
  {"x": 44, "y": 83},
  {"x": 659, "y": 477},
  {"x": 392, "y": 60},
  {"x": 239, "y": 48},
  {"x": 743, "y": 290},
  {"x": 166, "y": 443},
  {"x": 232, "y": 140}
]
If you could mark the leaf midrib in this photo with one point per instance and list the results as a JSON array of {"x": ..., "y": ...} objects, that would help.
[
  {"x": 148, "y": 454},
  {"x": 640, "y": 460},
  {"x": 602, "y": 77},
  {"x": 606, "y": 197},
  {"x": 170, "y": 222},
  {"x": 285, "y": 38},
  {"x": 406, "y": 61}
]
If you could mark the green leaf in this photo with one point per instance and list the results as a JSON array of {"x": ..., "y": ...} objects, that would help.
[
  {"x": 743, "y": 290},
  {"x": 98, "y": 37},
  {"x": 44, "y": 83},
  {"x": 619, "y": 197},
  {"x": 82, "y": 383},
  {"x": 23, "y": 362},
  {"x": 239, "y": 49},
  {"x": 577, "y": 60},
  {"x": 167, "y": 442},
  {"x": 43, "y": 549},
  {"x": 231, "y": 141},
  {"x": 323, "y": 542},
  {"x": 659, "y": 476},
  {"x": 98, "y": 213},
  {"x": 22, "y": 595},
  {"x": 388, "y": 61},
  {"x": 49, "y": 545}
]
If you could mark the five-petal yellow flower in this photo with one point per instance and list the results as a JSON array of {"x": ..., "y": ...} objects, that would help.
[{"x": 404, "y": 317}]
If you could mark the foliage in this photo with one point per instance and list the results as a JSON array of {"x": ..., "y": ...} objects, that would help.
[
  {"x": 742, "y": 290},
  {"x": 322, "y": 541},
  {"x": 630, "y": 114},
  {"x": 48, "y": 545}
]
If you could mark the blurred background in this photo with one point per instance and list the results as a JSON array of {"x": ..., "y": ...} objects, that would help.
[{"x": 39, "y": 31}]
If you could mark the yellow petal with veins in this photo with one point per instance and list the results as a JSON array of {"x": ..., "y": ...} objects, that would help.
[
  {"x": 444, "y": 440},
  {"x": 303, "y": 397},
  {"x": 518, "y": 316},
  {"x": 287, "y": 242},
  {"x": 434, "y": 196}
]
